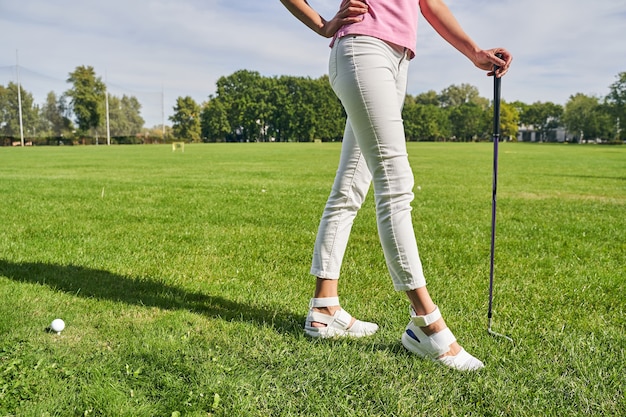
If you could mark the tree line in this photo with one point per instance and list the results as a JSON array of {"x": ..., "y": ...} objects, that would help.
[
  {"x": 82, "y": 114},
  {"x": 250, "y": 107}
]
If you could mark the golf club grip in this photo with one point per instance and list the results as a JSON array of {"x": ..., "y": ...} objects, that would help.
[
  {"x": 498, "y": 55},
  {"x": 496, "y": 99}
]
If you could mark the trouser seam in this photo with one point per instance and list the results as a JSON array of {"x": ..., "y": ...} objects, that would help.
[{"x": 381, "y": 161}]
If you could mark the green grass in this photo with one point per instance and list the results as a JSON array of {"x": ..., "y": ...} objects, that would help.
[{"x": 183, "y": 280}]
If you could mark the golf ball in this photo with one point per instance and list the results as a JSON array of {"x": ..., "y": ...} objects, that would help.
[{"x": 57, "y": 325}]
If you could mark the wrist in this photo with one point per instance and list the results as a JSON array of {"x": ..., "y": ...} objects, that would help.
[
  {"x": 319, "y": 28},
  {"x": 322, "y": 28}
]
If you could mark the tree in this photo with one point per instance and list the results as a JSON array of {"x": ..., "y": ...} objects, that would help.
[
  {"x": 249, "y": 107},
  {"x": 214, "y": 120},
  {"x": 429, "y": 98},
  {"x": 520, "y": 108},
  {"x": 467, "y": 121},
  {"x": 616, "y": 101},
  {"x": 329, "y": 115},
  {"x": 53, "y": 117},
  {"x": 157, "y": 134},
  {"x": 295, "y": 112},
  {"x": 509, "y": 121},
  {"x": 86, "y": 98},
  {"x": 245, "y": 95},
  {"x": 543, "y": 117},
  {"x": 424, "y": 121},
  {"x": 9, "y": 112},
  {"x": 583, "y": 117},
  {"x": 306, "y": 109},
  {"x": 283, "y": 120},
  {"x": 186, "y": 119},
  {"x": 457, "y": 95},
  {"x": 125, "y": 119}
]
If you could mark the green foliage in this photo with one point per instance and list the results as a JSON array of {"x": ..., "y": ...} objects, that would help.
[
  {"x": 428, "y": 98},
  {"x": 9, "y": 111},
  {"x": 186, "y": 120},
  {"x": 542, "y": 116},
  {"x": 466, "y": 121},
  {"x": 86, "y": 98},
  {"x": 458, "y": 95},
  {"x": 616, "y": 101},
  {"x": 250, "y": 107},
  {"x": 425, "y": 121},
  {"x": 584, "y": 117},
  {"x": 187, "y": 295},
  {"x": 245, "y": 95},
  {"x": 214, "y": 121},
  {"x": 509, "y": 121},
  {"x": 286, "y": 108},
  {"x": 53, "y": 117},
  {"x": 125, "y": 116}
]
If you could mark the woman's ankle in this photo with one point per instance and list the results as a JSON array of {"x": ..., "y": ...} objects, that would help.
[
  {"x": 330, "y": 310},
  {"x": 436, "y": 327}
]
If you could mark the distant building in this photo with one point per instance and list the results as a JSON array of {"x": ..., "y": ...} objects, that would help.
[{"x": 530, "y": 134}]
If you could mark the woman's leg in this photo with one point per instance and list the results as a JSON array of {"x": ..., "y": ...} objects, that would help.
[
  {"x": 370, "y": 81},
  {"x": 371, "y": 84},
  {"x": 349, "y": 190}
]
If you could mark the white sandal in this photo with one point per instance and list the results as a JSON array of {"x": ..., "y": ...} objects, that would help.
[
  {"x": 437, "y": 344},
  {"x": 337, "y": 325}
]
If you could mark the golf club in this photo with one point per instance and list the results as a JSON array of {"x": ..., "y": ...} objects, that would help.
[{"x": 496, "y": 139}]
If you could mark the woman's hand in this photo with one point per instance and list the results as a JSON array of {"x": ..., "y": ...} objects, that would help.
[
  {"x": 350, "y": 11},
  {"x": 486, "y": 59},
  {"x": 443, "y": 21}
]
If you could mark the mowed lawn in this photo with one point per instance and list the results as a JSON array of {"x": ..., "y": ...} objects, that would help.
[{"x": 183, "y": 281}]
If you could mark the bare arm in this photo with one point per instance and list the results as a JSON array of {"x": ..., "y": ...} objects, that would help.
[
  {"x": 351, "y": 11},
  {"x": 443, "y": 21}
]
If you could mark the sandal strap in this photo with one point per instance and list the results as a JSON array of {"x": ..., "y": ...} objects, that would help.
[
  {"x": 426, "y": 320},
  {"x": 324, "y": 302},
  {"x": 340, "y": 320},
  {"x": 429, "y": 346},
  {"x": 314, "y": 316},
  {"x": 443, "y": 339}
]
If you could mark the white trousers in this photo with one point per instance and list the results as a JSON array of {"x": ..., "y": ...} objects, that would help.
[{"x": 369, "y": 76}]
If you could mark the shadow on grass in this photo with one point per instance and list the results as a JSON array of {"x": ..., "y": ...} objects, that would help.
[
  {"x": 592, "y": 177},
  {"x": 98, "y": 284}
]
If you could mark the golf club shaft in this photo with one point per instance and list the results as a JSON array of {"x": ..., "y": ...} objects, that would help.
[{"x": 496, "y": 140}]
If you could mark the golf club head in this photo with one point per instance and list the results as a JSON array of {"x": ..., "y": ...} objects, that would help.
[{"x": 491, "y": 332}]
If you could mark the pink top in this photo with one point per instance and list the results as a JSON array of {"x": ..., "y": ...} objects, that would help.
[{"x": 393, "y": 21}]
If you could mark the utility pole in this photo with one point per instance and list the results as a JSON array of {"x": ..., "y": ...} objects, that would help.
[
  {"x": 163, "y": 113},
  {"x": 19, "y": 96},
  {"x": 106, "y": 105}
]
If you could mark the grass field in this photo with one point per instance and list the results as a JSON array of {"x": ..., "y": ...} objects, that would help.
[{"x": 183, "y": 281}]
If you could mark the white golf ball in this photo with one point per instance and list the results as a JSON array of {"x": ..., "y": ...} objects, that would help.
[{"x": 57, "y": 325}]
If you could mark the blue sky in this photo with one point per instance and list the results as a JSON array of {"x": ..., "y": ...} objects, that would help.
[{"x": 143, "y": 47}]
